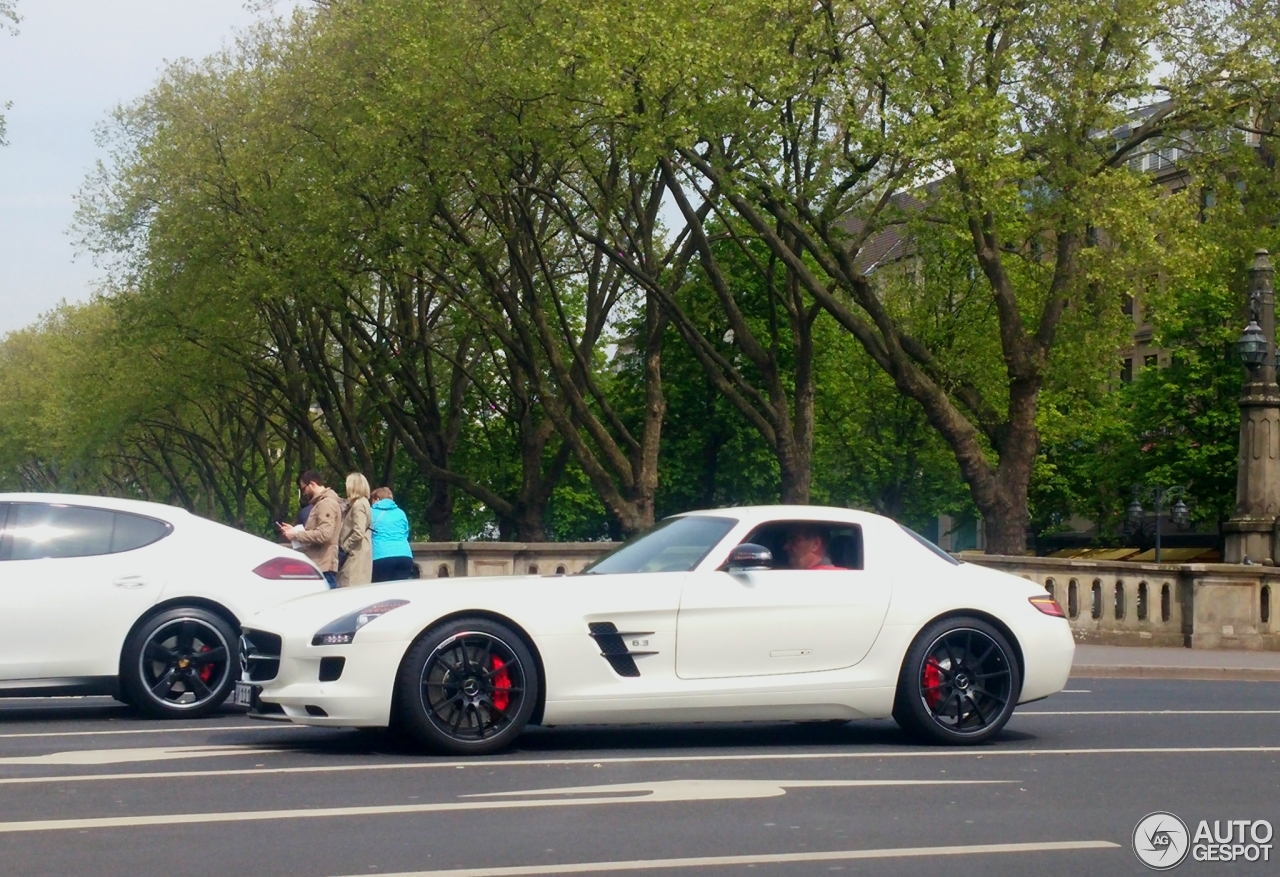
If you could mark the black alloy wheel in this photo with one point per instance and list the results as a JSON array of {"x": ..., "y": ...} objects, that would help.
[
  {"x": 959, "y": 683},
  {"x": 466, "y": 688},
  {"x": 180, "y": 664}
]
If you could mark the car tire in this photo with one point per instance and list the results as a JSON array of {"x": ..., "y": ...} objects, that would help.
[
  {"x": 180, "y": 664},
  {"x": 467, "y": 687},
  {"x": 959, "y": 683}
]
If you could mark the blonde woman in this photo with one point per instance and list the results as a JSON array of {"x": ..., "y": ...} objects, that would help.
[{"x": 355, "y": 540}]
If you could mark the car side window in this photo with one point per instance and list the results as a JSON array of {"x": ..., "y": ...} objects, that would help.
[
  {"x": 136, "y": 531},
  {"x": 47, "y": 530},
  {"x": 843, "y": 542}
]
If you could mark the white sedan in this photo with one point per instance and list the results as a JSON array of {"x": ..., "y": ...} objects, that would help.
[
  {"x": 704, "y": 618},
  {"x": 138, "y": 600}
]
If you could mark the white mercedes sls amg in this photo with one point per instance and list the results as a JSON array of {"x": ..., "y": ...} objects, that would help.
[{"x": 766, "y": 613}]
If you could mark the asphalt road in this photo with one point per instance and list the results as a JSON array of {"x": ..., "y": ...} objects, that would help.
[{"x": 87, "y": 788}]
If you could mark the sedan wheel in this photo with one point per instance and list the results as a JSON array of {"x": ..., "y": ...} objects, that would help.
[
  {"x": 467, "y": 687},
  {"x": 179, "y": 664},
  {"x": 959, "y": 683}
]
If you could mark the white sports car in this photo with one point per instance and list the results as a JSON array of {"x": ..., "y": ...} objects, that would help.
[
  {"x": 783, "y": 612},
  {"x": 138, "y": 600}
]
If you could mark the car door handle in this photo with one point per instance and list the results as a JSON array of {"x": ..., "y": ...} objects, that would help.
[{"x": 130, "y": 582}]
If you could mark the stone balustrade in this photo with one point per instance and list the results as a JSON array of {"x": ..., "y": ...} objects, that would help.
[
  {"x": 439, "y": 560},
  {"x": 1197, "y": 605}
]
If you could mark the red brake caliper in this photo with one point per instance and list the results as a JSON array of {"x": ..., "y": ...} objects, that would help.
[
  {"x": 206, "y": 672},
  {"x": 932, "y": 682},
  {"x": 501, "y": 682}
]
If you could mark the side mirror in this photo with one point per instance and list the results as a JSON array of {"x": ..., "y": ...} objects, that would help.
[{"x": 748, "y": 555}]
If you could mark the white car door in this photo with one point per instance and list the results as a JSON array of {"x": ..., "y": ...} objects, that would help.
[
  {"x": 775, "y": 621},
  {"x": 75, "y": 579}
]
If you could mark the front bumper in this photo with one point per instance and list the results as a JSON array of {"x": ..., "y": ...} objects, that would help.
[{"x": 360, "y": 697}]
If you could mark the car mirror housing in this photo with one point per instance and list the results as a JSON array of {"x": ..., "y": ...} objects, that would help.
[{"x": 749, "y": 556}]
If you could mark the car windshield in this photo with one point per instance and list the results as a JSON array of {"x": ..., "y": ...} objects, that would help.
[{"x": 675, "y": 545}]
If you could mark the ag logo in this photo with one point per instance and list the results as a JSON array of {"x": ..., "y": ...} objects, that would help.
[{"x": 1161, "y": 841}]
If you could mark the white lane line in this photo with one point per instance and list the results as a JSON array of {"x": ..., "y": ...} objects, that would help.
[
  {"x": 720, "y": 789},
  {"x": 127, "y": 756},
  {"x": 280, "y": 726},
  {"x": 264, "y": 726},
  {"x": 1020, "y": 713},
  {"x": 644, "y": 759},
  {"x": 1076, "y": 691},
  {"x": 657, "y": 793},
  {"x": 764, "y": 859}
]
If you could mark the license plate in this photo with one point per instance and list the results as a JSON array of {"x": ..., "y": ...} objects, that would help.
[{"x": 245, "y": 694}]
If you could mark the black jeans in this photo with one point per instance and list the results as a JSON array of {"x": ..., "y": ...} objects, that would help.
[{"x": 393, "y": 569}]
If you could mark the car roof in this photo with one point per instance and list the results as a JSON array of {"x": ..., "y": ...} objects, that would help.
[
  {"x": 763, "y": 513},
  {"x": 153, "y": 509}
]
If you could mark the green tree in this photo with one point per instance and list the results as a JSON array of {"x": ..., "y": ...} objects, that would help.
[{"x": 819, "y": 113}]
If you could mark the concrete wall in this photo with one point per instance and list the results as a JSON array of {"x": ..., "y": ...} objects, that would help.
[
  {"x": 453, "y": 559},
  {"x": 1198, "y": 605}
]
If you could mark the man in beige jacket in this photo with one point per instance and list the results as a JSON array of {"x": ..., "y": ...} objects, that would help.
[{"x": 318, "y": 538}]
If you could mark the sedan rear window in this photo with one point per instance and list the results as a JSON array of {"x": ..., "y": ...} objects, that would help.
[
  {"x": 47, "y": 530},
  {"x": 675, "y": 545},
  {"x": 933, "y": 548}
]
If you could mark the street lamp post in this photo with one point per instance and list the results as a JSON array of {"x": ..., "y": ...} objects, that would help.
[
  {"x": 1251, "y": 532},
  {"x": 1180, "y": 514}
]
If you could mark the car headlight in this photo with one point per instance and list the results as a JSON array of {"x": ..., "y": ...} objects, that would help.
[{"x": 343, "y": 630}]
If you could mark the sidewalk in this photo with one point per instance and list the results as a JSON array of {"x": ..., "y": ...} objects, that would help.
[{"x": 1137, "y": 662}]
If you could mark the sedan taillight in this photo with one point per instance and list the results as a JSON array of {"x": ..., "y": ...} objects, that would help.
[
  {"x": 1048, "y": 606},
  {"x": 287, "y": 569}
]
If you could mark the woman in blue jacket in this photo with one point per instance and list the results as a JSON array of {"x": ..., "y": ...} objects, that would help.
[{"x": 392, "y": 556}]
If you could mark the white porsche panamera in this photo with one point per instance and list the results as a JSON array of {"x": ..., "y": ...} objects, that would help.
[
  {"x": 703, "y": 618},
  {"x": 137, "y": 600}
]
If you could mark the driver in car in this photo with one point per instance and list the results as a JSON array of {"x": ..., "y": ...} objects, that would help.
[{"x": 806, "y": 548}]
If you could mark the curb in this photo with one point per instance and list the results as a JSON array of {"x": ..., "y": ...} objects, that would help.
[{"x": 1220, "y": 674}]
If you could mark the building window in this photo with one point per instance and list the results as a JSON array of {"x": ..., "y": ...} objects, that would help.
[
  {"x": 1151, "y": 360},
  {"x": 1126, "y": 370},
  {"x": 1127, "y": 307}
]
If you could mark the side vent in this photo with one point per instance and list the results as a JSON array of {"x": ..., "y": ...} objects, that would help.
[{"x": 613, "y": 647}]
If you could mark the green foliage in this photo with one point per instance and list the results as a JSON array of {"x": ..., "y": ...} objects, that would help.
[{"x": 493, "y": 254}]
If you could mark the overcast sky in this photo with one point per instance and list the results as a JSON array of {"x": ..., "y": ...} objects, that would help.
[{"x": 70, "y": 64}]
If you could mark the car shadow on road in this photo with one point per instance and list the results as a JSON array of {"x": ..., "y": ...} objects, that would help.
[
  {"x": 88, "y": 709},
  {"x": 669, "y": 739}
]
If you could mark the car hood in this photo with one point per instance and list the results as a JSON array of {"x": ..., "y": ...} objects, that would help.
[{"x": 309, "y": 613}]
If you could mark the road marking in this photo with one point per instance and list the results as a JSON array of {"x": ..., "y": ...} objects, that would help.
[
  {"x": 1019, "y": 713},
  {"x": 1076, "y": 691},
  {"x": 720, "y": 790},
  {"x": 489, "y": 764},
  {"x": 281, "y": 726},
  {"x": 629, "y": 793},
  {"x": 764, "y": 859},
  {"x": 206, "y": 728},
  {"x": 126, "y": 756}
]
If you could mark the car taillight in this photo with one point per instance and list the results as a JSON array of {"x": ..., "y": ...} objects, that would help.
[
  {"x": 1048, "y": 606},
  {"x": 287, "y": 569}
]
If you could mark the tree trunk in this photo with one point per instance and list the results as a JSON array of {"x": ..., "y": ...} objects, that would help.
[{"x": 439, "y": 512}]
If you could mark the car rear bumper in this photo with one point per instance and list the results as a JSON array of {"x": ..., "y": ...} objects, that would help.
[{"x": 1047, "y": 658}]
